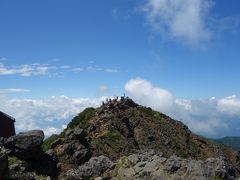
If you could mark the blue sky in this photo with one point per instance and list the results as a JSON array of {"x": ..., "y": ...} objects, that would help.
[{"x": 90, "y": 49}]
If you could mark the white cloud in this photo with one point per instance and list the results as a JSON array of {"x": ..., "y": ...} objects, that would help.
[
  {"x": 145, "y": 93},
  {"x": 48, "y": 131},
  {"x": 13, "y": 90},
  {"x": 25, "y": 70},
  {"x": 94, "y": 69},
  {"x": 211, "y": 117},
  {"x": 51, "y": 130},
  {"x": 230, "y": 105},
  {"x": 45, "y": 113},
  {"x": 37, "y": 69},
  {"x": 182, "y": 20}
]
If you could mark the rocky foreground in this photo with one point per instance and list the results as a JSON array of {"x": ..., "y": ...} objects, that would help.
[
  {"x": 119, "y": 140},
  {"x": 22, "y": 158}
]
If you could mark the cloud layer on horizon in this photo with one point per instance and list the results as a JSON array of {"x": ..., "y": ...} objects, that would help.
[
  {"x": 209, "y": 117},
  {"x": 51, "y": 114}
]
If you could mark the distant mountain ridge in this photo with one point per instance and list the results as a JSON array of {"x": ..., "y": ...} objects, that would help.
[{"x": 231, "y": 141}]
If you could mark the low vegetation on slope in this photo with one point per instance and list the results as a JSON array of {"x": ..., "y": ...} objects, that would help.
[
  {"x": 233, "y": 142},
  {"x": 82, "y": 118},
  {"x": 121, "y": 127}
]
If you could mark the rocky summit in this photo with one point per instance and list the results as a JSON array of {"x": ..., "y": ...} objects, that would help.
[{"x": 119, "y": 140}]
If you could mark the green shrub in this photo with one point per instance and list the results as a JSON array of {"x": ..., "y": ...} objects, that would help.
[
  {"x": 146, "y": 111},
  {"x": 47, "y": 142},
  {"x": 121, "y": 163},
  {"x": 180, "y": 150},
  {"x": 112, "y": 138},
  {"x": 13, "y": 160},
  {"x": 82, "y": 118},
  {"x": 153, "y": 115},
  {"x": 115, "y": 139}
]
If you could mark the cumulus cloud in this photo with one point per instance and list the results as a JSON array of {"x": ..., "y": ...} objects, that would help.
[
  {"x": 182, "y": 20},
  {"x": 48, "y": 114},
  {"x": 210, "y": 117},
  {"x": 145, "y": 93},
  {"x": 230, "y": 105}
]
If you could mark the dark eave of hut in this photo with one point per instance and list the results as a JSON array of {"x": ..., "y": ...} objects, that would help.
[{"x": 6, "y": 115}]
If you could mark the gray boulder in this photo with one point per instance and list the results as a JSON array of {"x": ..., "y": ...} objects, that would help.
[
  {"x": 81, "y": 156},
  {"x": 154, "y": 166},
  {"x": 93, "y": 168},
  {"x": 172, "y": 164},
  {"x": 26, "y": 145}
]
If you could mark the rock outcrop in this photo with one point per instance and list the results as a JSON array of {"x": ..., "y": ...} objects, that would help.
[
  {"x": 73, "y": 150},
  {"x": 152, "y": 165},
  {"x": 26, "y": 145},
  {"x": 95, "y": 167},
  {"x": 119, "y": 140},
  {"x": 23, "y": 157}
]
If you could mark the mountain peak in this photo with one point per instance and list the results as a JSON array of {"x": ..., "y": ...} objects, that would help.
[
  {"x": 121, "y": 127},
  {"x": 120, "y": 103},
  {"x": 114, "y": 139}
]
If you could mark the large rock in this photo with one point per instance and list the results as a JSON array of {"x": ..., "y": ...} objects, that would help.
[
  {"x": 81, "y": 156},
  {"x": 26, "y": 145},
  {"x": 73, "y": 150},
  {"x": 173, "y": 164},
  {"x": 3, "y": 165},
  {"x": 31, "y": 169},
  {"x": 93, "y": 168},
  {"x": 154, "y": 166}
]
